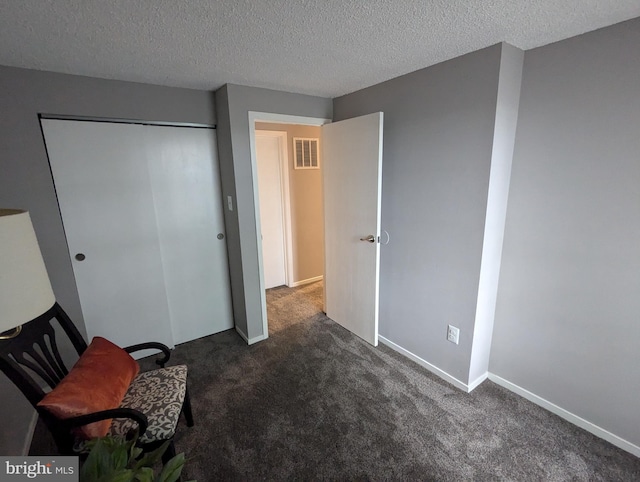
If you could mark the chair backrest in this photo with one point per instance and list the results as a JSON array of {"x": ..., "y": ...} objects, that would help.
[{"x": 32, "y": 359}]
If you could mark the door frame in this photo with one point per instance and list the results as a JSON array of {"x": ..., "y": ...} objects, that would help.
[
  {"x": 254, "y": 117},
  {"x": 285, "y": 194}
]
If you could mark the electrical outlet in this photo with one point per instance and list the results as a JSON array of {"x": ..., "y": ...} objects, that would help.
[{"x": 453, "y": 334}]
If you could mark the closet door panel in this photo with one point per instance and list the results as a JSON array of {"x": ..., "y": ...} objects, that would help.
[
  {"x": 185, "y": 182},
  {"x": 106, "y": 200}
]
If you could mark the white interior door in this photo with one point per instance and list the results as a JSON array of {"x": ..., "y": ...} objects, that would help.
[
  {"x": 352, "y": 167},
  {"x": 268, "y": 154},
  {"x": 142, "y": 204}
]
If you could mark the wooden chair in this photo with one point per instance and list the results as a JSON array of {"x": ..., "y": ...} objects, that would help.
[{"x": 33, "y": 363}]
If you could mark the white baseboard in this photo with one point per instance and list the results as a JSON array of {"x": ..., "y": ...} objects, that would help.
[
  {"x": 30, "y": 430},
  {"x": 532, "y": 397},
  {"x": 251, "y": 341},
  {"x": 305, "y": 281},
  {"x": 256, "y": 339},
  {"x": 474, "y": 384},
  {"x": 570, "y": 417},
  {"x": 242, "y": 334},
  {"x": 432, "y": 368}
]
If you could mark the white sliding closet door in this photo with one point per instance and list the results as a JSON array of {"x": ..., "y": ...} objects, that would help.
[
  {"x": 141, "y": 209},
  {"x": 185, "y": 182}
]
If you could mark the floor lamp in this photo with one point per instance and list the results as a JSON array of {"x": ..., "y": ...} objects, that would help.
[{"x": 25, "y": 289}]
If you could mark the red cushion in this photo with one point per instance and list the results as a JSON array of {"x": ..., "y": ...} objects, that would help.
[{"x": 98, "y": 381}]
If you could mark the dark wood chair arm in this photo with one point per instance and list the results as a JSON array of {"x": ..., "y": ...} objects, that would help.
[
  {"x": 152, "y": 345},
  {"x": 136, "y": 415}
]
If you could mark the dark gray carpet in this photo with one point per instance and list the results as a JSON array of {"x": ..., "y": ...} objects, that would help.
[{"x": 315, "y": 402}]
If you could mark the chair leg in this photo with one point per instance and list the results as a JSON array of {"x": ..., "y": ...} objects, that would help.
[
  {"x": 186, "y": 408},
  {"x": 169, "y": 453}
]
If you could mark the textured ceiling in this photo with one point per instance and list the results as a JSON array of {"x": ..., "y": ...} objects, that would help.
[{"x": 319, "y": 47}]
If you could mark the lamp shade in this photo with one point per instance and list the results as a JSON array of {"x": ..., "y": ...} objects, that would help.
[{"x": 25, "y": 290}]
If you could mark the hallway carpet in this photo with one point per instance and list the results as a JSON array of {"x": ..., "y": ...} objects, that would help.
[{"x": 314, "y": 402}]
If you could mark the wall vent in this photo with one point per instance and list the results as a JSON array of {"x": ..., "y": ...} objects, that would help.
[{"x": 306, "y": 153}]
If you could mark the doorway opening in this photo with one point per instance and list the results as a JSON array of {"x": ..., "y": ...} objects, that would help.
[
  {"x": 289, "y": 174},
  {"x": 352, "y": 187}
]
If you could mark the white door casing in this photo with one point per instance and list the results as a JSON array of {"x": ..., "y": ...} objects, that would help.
[
  {"x": 277, "y": 118},
  {"x": 142, "y": 203},
  {"x": 352, "y": 178},
  {"x": 270, "y": 189}
]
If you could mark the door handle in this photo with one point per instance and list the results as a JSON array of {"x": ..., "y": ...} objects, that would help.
[{"x": 369, "y": 239}]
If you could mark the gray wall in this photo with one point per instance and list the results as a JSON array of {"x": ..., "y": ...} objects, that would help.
[
  {"x": 438, "y": 137},
  {"x": 567, "y": 322},
  {"x": 234, "y": 102},
  {"x": 305, "y": 192},
  {"x": 25, "y": 179}
]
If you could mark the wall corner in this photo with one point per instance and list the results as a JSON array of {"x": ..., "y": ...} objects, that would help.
[{"x": 506, "y": 118}]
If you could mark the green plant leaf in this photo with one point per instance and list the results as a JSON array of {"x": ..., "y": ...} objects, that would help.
[
  {"x": 130, "y": 448},
  {"x": 120, "y": 457},
  {"x": 89, "y": 469},
  {"x": 135, "y": 453},
  {"x": 144, "y": 474},
  {"x": 132, "y": 435},
  {"x": 89, "y": 444},
  {"x": 152, "y": 457},
  {"x": 109, "y": 458},
  {"x": 98, "y": 462},
  {"x": 120, "y": 476},
  {"x": 172, "y": 469}
]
